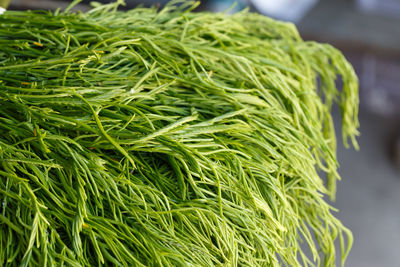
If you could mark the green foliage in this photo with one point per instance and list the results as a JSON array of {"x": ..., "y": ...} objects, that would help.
[{"x": 168, "y": 138}]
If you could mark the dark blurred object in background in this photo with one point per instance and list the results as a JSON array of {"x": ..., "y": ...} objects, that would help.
[
  {"x": 45, "y": 5},
  {"x": 384, "y": 7}
]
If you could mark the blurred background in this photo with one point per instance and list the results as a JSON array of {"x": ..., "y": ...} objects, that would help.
[{"x": 368, "y": 33}]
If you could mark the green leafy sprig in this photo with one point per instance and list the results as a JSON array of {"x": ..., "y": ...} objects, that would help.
[{"x": 168, "y": 138}]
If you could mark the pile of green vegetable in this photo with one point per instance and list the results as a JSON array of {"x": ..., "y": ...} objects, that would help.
[{"x": 168, "y": 138}]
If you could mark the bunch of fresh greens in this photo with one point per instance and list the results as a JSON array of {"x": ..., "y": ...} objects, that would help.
[{"x": 168, "y": 138}]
